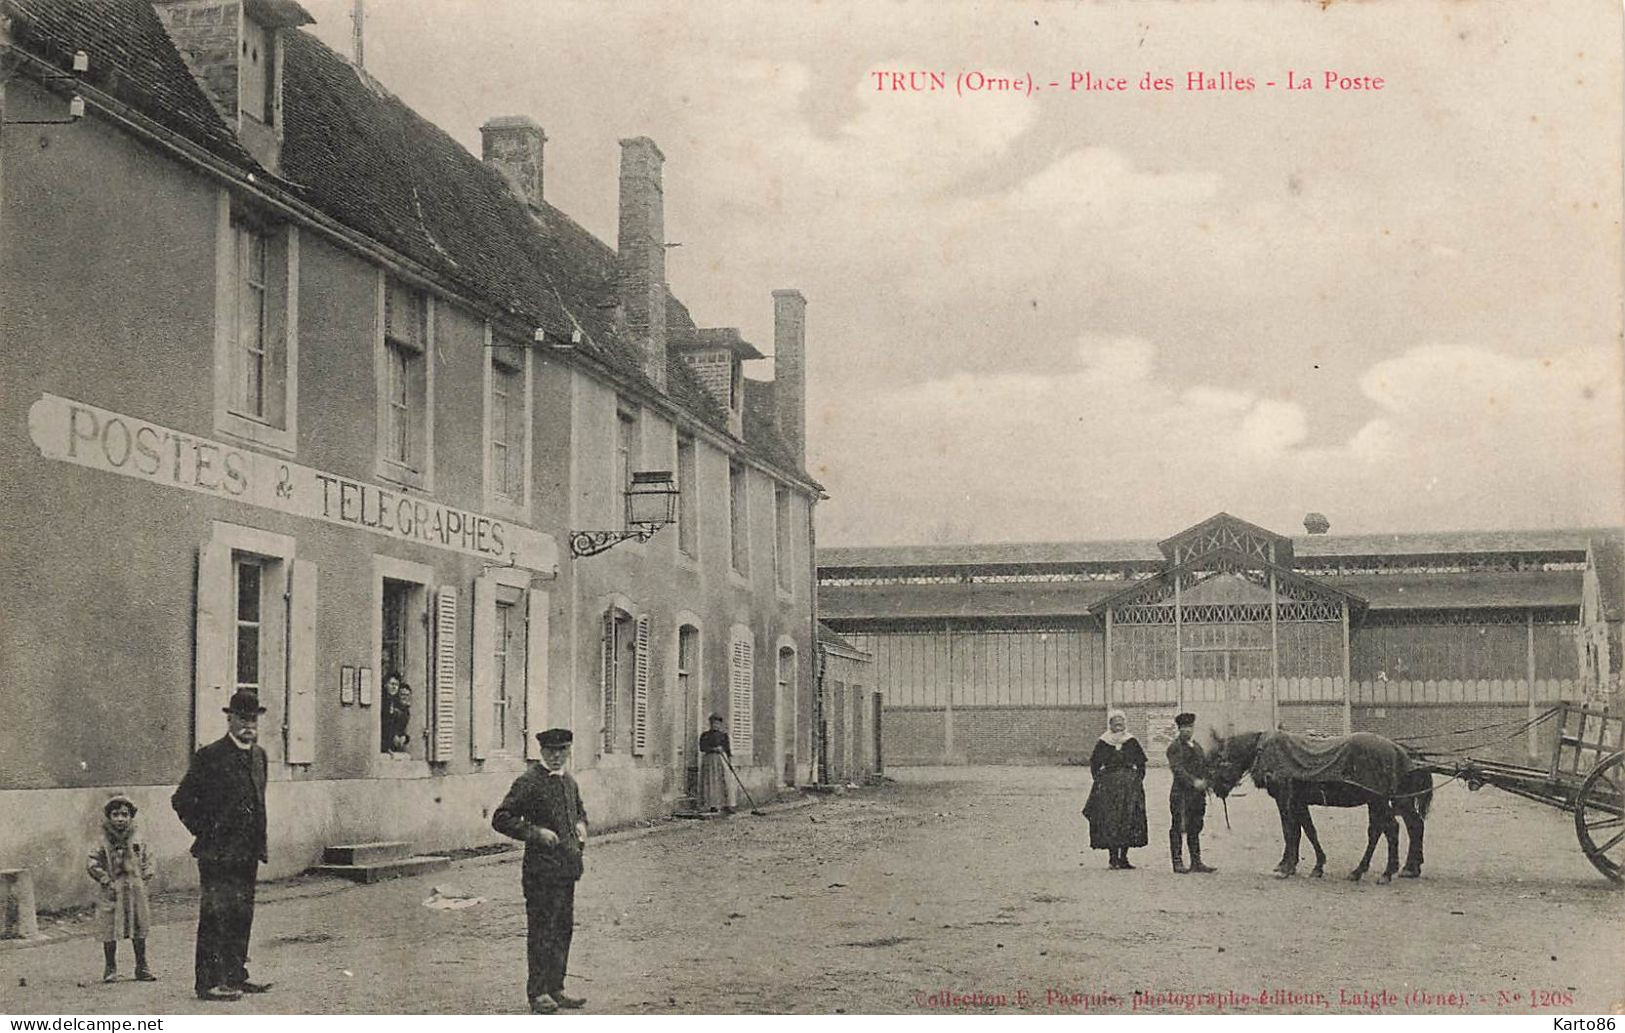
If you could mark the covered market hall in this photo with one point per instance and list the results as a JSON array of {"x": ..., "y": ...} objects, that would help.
[{"x": 1013, "y": 653}]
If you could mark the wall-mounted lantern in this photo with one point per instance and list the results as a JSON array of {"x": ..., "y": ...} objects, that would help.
[{"x": 651, "y": 503}]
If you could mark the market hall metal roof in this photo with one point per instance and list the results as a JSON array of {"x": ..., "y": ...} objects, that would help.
[
  {"x": 1145, "y": 551},
  {"x": 1539, "y": 589}
]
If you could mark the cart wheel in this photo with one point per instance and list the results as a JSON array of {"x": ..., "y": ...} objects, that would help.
[{"x": 1599, "y": 816}]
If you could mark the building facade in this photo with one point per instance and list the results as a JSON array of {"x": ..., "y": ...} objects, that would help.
[
  {"x": 1012, "y": 654},
  {"x": 851, "y": 717},
  {"x": 302, "y": 394}
]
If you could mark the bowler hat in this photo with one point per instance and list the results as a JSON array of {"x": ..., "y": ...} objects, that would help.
[
  {"x": 554, "y": 737},
  {"x": 243, "y": 704},
  {"x": 1187, "y": 718}
]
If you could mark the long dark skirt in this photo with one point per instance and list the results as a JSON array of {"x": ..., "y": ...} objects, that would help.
[{"x": 1116, "y": 810}]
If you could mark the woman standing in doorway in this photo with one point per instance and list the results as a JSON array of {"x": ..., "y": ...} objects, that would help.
[{"x": 1116, "y": 807}]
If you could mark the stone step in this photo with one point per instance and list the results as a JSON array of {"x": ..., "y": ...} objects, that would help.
[
  {"x": 366, "y": 853},
  {"x": 377, "y": 871}
]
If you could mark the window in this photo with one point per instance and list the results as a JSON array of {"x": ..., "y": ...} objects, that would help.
[
  {"x": 628, "y": 455},
  {"x": 405, "y": 676},
  {"x": 406, "y": 385},
  {"x": 252, "y": 305},
  {"x": 782, "y": 539},
  {"x": 688, "y": 499},
  {"x": 507, "y": 427},
  {"x": 258, "y": 64},
  {"x": 397, "y": 697},
  {"x": 742, "y": 694},
  {"x": 256, "y": 331},
  {"x": 510, "y": 665},
  {"x": 625, "y": 688},
  {"x": 246, "y": 658},
  {"x": 256, "y": 631},
  {"x": 738, "y": 524},
  {"x": 508, "y": 668}
]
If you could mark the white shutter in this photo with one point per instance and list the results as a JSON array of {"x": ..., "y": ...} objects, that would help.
[
  {"x": 482, "y": 730},
  {"x": 741, "y": 699},
  {"x": 640, "y": 690},
  {"x": 608, "y": 676},
  {"x": 445, "y": 673},
  {"x": 536, "y": 617},
  {"x": 302, "y": 665},
  {"x": 213, "y": 677}
]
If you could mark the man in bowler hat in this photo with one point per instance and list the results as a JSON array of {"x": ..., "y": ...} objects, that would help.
[
  {"x": 221, "y": 801},
  {"x": 543, "y": 810},
  {"x": 1187, "y": 796}
]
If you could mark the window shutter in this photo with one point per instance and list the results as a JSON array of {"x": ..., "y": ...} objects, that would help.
[
  {"x": 302, "y": 665},
  {"x": 536, "y": 617},
  {"x": 609, "y": 683},
  {"x": 213, "y": 677},
  {"x": 640, "y": 690},
  {"x": 483, "y": 693},
  {"x": 741, "y": 698},
  {"x": 445, "y": 673}
]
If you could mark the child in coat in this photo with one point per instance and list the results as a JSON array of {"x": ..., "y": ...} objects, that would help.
[{"x": 120, "y": 863}]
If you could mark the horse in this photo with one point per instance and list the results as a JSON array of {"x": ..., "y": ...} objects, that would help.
[{"x": 1409, "y": 799}]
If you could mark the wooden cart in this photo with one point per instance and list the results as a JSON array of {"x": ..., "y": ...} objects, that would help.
[{"x": 1586, "y": 777}]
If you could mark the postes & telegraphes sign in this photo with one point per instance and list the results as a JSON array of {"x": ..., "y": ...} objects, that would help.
[{"x": 88, "y": 436}]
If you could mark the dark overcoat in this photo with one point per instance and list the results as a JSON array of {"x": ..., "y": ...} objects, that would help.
[
  {"x": 538, "y": 799},
  {"x": 221, "y": 801}
]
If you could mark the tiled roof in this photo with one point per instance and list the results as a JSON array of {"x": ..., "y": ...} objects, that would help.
[
  {"x": 828, "y": 637},
  {"x": 131, "y": 60},
  {"x": 354, "y": 151},
  {"x": 1443, "y": 543},
  {"x": 760, "y": 417}
]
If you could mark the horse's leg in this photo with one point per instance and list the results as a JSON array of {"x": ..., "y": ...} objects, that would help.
[
  {"x": 1415, "y": 829},
  {"x": 1308, "y": 823},
  {"x": 1390, "y": 829},
  {"x": 1289, "y": 835},
  {"x": 1373, "y": 831}
]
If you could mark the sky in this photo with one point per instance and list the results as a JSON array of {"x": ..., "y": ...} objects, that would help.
[{"x": 1071, "y": 314}]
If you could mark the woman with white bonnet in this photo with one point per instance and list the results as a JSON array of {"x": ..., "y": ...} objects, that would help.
[{"x": 1116, "y": 807}]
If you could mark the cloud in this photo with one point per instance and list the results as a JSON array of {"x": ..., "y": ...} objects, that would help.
[{"x": 1455, "y": 436}]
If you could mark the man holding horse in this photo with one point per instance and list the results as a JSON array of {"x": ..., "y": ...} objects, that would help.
[{"x": 1187, "y": 796}]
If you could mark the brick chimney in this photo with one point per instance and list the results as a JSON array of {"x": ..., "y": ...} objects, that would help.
[
  {"x": 641, "y": 253},
  {"x": 233, "y": 48},
  {"x": 790, "y": 369},
  {"x": 512, "y": 145}
]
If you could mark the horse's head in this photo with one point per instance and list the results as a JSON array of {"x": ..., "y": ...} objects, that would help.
[{"x": 1230, "y": 759}]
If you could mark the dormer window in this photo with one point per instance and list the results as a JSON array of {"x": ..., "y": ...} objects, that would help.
[
  {"x": 257, "y": 67},
  {"x": 234, "y": 51},
  {"x": 717, "y": 357}
]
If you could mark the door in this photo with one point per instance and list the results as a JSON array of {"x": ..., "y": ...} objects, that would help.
[
  {"x": 1227, "y": 656},
  {"x": 874, "y": 727},
  {"x": 684, "y": 770}
]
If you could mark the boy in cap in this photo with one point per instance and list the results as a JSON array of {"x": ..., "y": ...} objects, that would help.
[
  {"x": 543, "y": 810},
  {"x": 221, "y": 801},
  {"x": 1187, "y": 796}
]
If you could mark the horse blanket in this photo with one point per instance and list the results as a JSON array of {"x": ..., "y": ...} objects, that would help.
[{"x": 1363, "y": 759}]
